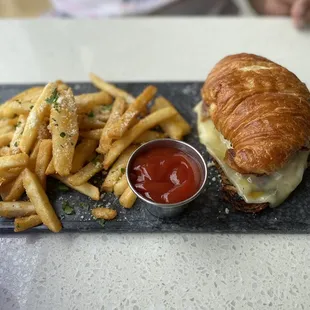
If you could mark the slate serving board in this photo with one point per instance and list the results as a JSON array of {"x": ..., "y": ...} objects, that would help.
[{"x": 208, "y": 213}]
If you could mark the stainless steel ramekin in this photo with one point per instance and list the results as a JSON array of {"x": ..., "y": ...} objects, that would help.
[{"x": 169, "y": 209}]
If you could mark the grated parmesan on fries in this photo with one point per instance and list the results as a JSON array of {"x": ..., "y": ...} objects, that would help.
[{"x": 52, "y": 132}]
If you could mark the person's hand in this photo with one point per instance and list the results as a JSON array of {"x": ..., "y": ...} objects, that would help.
[{"x": 298, "y": 9}]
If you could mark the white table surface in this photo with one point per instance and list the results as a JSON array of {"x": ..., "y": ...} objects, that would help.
[{"x": 149, "y": 271}]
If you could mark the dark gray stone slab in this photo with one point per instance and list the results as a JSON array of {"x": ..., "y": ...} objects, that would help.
[{"x": 205, "y": 214}]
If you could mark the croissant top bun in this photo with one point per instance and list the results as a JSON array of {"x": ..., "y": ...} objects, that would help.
[{"x": 261, "y": 108}]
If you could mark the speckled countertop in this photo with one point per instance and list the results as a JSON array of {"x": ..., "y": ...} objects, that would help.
[{"x": 149, "y": 271}]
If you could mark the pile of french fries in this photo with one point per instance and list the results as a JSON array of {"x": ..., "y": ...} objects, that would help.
[{"x": 48, "y": 131}]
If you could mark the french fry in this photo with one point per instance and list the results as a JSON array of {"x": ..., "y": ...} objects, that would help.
[
  {"x": 118, "y": 169},
  {"x": 104, "y": 213},
  {"x": 15, "y": 108},
  {"x": 88, "y": 123},
  {"x": 33, "y": 156},
  {"x": 128, "y": 198},
  {"x": 36, "y": 117},
  {"x": 12, "y": 161},
  {"x": 86, "y": 102},
  {"x": 143, "y": 125},
  {"x": 6, "y": 139},
  {"x": 120, "y": 186},
  {"x": 87, "y": 172},
  {"x": 9, "y": 175},
  {"x": 14, "y": 145},
  {"x": 176, "y": 127},
  {"x": 110, "y": 88},
  {"x": 94, "y": 134},
  {"x": 8, "y": 122},
  {"x": 65, "y": 131},
  {"x": 21, "y": 103},
  {"x": 82, "y": 153},
  {"x": 6, "y": 129},
  {"x": 43, "y": 132},
  {"x": 5, "y": 151},
  {"x": 118, "y": 110},
  {"x": 126, "y": 120},
  {"x": 86, "y": 188},
  {"x": 27, "y": 222},
  {"x": 5, "y": 189},
  {"x": 16, "y": 190},
  {"x": 16, "y": 209},
  {"x": 43, "y": 159},
  {"x": 50, "y": 168},
  {"x": 150, "y": 135},
  {"x": 38, "y": 197}
]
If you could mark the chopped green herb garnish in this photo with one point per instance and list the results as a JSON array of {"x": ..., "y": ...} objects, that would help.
[
  {"x": 54, "y": 119},
  {"x": 123, "y": 170},
  {"x": 18, "y": 124},
  {"x": 53, "y": 98},
  {"x": 19, "y": 102},
  {"x": 101, "y": 222},
  {"x": 31, "y": 107},
  {"x": 63, "y": 187},
  {"x": 62, "y": 134},
  {"x": 16, "y": 144},
  {"x": 84, "y": 205},
  {"x": 107, "y": 107},
  {"x": 91, "y": 114},
  {"x": 95, "y": 160},
  {"x": 67, "y": 208}
]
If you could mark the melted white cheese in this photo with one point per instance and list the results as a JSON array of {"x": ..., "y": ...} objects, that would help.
[{"x": 274, "y": 188}]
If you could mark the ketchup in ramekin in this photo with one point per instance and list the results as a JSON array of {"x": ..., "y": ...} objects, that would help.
[{"x": 165, "y": 175}]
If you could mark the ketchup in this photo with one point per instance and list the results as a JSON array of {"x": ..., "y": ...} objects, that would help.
[{"x": 165, "y": 175}]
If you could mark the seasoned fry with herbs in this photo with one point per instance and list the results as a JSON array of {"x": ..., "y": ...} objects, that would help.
[
  {"x": 65, "y": 130},
  {"x": 36, "y": 117},
  {"x": 118, "y": 110},
  {"x": 14, "y": 145}
]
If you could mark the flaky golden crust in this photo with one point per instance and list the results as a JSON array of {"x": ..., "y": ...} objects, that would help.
[{"x": 261, "y": 108}]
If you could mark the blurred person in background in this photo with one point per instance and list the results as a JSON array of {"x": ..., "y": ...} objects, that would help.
[{"x": 299, "y": 10}]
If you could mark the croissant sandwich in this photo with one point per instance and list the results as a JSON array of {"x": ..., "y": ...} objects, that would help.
[{"x": 255, "y": 122}]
